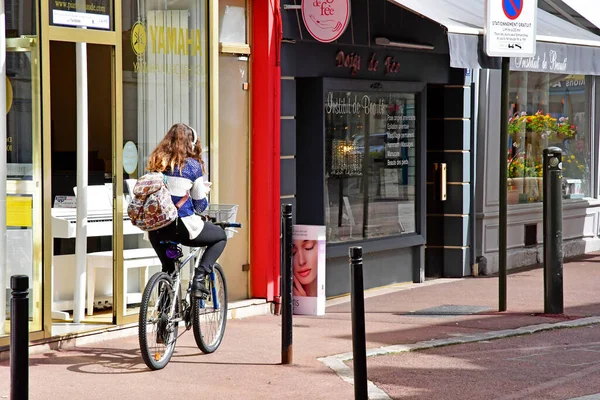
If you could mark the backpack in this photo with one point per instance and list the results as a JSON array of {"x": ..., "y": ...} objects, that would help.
[{"x": 151, "y": 206}]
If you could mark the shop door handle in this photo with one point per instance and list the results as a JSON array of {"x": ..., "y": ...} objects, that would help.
[{"x": 440, "y": 171}]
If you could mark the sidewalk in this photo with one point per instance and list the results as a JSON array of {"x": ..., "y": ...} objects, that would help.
[{"x": 246, "y": 366}]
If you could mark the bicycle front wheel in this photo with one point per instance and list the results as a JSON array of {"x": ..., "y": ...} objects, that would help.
[
  {"x": 210, "y": 315},
  {"x": 157, "y": 333}
]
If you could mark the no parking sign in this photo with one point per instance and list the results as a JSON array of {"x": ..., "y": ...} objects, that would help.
[{"x": 510, "y": 28}]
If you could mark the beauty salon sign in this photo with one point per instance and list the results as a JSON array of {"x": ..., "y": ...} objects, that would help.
[{"x": 326, "y": 20}]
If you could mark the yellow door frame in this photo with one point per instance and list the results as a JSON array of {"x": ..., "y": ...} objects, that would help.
[
  {"x": 112, "y": 38},
  {"x": 77, "y": 35}
]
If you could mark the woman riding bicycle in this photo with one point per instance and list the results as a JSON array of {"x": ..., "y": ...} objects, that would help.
[{"x": 179, "y": 157}]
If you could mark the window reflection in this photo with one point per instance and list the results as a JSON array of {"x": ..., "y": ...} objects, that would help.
[
  {"x": 370, "y": 165},
  {"x": 547, "y": 110}
]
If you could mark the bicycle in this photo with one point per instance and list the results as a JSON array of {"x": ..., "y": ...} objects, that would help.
[{"x": 163, "y": 307}]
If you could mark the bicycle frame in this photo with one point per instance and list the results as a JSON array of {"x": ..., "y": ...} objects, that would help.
[{"x": 177, "y": 295}]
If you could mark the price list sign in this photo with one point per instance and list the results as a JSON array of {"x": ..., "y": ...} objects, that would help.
[{"x": 400, "y": 137}]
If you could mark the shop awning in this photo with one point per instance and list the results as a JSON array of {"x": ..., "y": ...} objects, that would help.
[{"x": 557, "y": 39}]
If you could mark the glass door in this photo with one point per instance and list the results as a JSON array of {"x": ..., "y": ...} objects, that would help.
[
  {"x": 23, "y": 169},
  {"x": 81, "y": 140}
]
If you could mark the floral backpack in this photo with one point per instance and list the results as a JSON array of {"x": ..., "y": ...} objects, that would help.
[{"x": 151, "y": 206}]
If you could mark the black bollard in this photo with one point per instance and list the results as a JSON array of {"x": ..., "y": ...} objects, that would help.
[
  {"x": 287, "y": 285},
  {"x": 19, "y": 337},
  {"x": 553, "y": 240},
  {"x": 359, "y": 340}
]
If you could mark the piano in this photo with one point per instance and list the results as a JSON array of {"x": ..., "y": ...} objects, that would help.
[
  {"x": 99, "y": 223},
  {"x": 99, "y": 216}
]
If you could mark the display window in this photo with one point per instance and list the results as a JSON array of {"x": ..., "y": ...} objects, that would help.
[
  {"x": 548, "y": 110},
  {"x": 164, "y": 72},
  {"x": 370, "y": 164},
  {"x": 23, "y": 228}
]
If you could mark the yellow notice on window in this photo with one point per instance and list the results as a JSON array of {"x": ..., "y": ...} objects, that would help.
[{"x": 19, "y": 211}]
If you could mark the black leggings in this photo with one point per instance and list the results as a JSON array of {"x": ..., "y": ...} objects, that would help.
[{"x": 212, "y": 237}]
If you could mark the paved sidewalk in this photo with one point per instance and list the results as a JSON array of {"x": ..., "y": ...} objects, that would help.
[{"x": 246, "y": 366}]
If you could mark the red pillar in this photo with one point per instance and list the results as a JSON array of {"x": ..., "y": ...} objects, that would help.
[{"x": 265, "y": 145}]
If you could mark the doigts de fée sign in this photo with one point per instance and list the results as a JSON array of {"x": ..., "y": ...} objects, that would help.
[
  {"x": 326, "y": 20},
  {"x": 353, "y": 61}
]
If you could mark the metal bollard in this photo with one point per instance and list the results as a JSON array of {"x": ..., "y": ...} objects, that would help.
[
  {"x": 359, "y": 345},
  {"x": 19, "y": 337},
  {"x": 287, "y": 285},
  {"x": 553, "y": 240}
]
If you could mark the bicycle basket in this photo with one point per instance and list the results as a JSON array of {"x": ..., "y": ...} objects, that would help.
[{"x": 223, "y": 213}]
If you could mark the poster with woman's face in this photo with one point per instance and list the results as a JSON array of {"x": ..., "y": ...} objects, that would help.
[{"x": 309, "y": 269}]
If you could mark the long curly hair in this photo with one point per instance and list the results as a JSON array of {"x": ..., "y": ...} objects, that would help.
[{"x": 175, "y": 148}]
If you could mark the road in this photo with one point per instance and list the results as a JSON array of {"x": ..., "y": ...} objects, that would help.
[{"x": 559, "y": 364}]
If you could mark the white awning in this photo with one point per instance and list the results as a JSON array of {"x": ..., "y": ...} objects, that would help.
[
  {"x": 464, "y": 22},
  {"x": 588, "y": 9}
]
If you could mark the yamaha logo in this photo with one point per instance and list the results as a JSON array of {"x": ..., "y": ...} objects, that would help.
[{"x": 139, "y": 39}]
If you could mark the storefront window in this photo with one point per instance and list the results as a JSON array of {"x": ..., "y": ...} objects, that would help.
[
  {"x": 370, "y": 165},
  {"x": 165, "y": 81},
  {"x": 164, "y": 71},
  {"x": 548, "y": 110},
  {"x": 23, "y": 230}
]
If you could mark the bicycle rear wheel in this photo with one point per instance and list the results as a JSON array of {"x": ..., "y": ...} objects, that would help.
[
  {"x": 157, "y": 334},
  {"x": 210, "y": 315}
]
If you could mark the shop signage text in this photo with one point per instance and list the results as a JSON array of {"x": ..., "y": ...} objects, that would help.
[
  {"x": 353, "y": 62},
  {"x": 89, "y": 13},
  {"x": 326, "y": 20},
  {"x": 179, "y": 41},
  {"x": 354, "y": 105},
  {"x": 550, "y": 61},
  {"x": 167, "y": 40}
]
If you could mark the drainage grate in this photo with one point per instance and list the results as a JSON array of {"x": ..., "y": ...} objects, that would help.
[{"x": 449, "y": 311}]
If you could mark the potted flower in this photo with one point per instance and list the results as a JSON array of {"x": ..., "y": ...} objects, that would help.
[
  {"x": 564, "y": 129},
  {"x": 538, "y": 127}
]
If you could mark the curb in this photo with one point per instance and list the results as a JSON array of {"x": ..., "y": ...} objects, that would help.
[{"x": 338, "y": 365}]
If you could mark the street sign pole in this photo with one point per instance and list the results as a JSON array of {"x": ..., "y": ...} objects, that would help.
[
  {"x": 510, "y": 31},
  {"x": 502, "y": 224}
]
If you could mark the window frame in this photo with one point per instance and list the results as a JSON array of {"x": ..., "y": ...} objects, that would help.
[
  {"x": 397, "y": 241},
  {"x": 592, "y": 93}
]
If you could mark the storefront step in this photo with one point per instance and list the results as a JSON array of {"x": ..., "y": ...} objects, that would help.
[{"x": 237, "y": 310}]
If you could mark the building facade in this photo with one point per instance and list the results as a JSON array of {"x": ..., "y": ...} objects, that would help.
[
  {"x": 90, "y": 90},
  {"x": 421, "y": 196},
  {"x": 387, "y": 136}
]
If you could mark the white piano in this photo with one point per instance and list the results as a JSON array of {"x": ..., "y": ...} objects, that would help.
[
  {"x": 99, "y": 223},
  {"x": 99, "y": 216}
]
